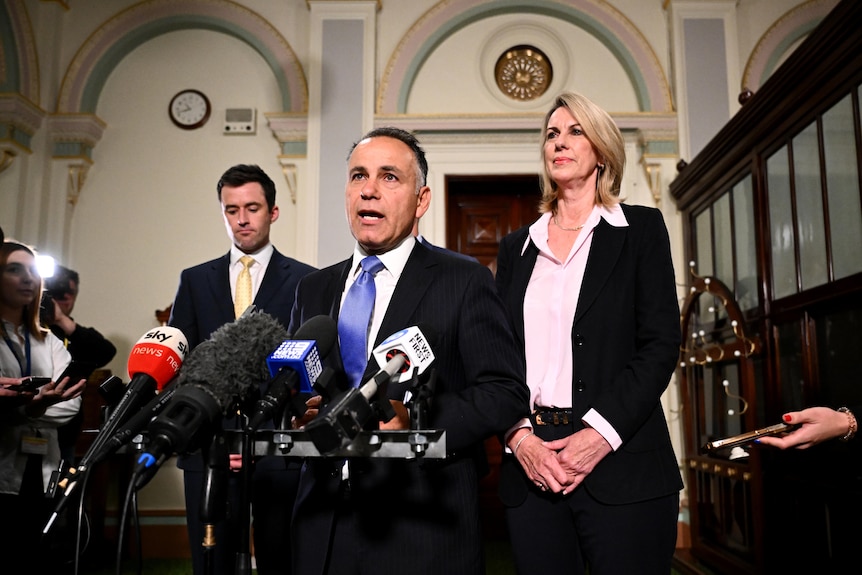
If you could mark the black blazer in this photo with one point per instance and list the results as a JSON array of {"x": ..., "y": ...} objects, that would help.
[
  {"x": 420, "y": 517},
  {"x": 625, "y": 345}
]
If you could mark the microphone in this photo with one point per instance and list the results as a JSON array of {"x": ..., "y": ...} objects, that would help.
[
  {"x": 412, "y": 345},
  {"x": 136, "y": 423},
  {"x": 154, "y": 361},
  {"x": 296, "y": 363},
  {"x": 221, "y": 371},
  {"x": 187, "y": 419},
  {"x": 341, "y": 420}
]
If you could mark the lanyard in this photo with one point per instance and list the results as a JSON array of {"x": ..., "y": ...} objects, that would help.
[{"x": 25, "y": 369}]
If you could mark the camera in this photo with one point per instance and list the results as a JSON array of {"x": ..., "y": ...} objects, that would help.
[
  {"x": 46, "y": 309},
  {"x": 57, "y": 287}
]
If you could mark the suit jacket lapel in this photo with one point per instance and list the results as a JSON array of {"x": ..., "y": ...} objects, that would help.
[
  {"x": 219, "y": 284},
  {"x": 521, "y": 273},
  {"x": 605, "y": 251},
  {"x": 273, "y": 278},
  {"x": 412, "y": 285},
  {"x": 334, "y": 288}
]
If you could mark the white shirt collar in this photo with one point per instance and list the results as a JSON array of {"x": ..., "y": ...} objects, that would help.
[
  {"x": 261, "y": 256},
  {"x": 394, "y": 260},
  {"x": 613, "y": 215}
]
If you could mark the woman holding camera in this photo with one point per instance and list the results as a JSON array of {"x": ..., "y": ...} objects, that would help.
[{"x": 29, "y": 450}]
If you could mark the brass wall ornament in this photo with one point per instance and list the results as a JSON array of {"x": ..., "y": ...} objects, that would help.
[
  {"x": 698, "y": 349},
  {"x": 523, "y": 73}
]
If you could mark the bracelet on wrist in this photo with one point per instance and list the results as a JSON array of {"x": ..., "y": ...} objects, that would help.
[
  {"x": 517, "y": 445},
  {"x": 851, "y": 421}
]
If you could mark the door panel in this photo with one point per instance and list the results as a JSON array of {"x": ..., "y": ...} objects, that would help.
[{"x": 480, "y": 211}]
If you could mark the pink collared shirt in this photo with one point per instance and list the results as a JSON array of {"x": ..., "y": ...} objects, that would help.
[{"x": 549, "y": 311}]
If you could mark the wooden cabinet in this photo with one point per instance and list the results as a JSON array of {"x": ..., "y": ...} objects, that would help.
[{"x": 772, "y": 212}]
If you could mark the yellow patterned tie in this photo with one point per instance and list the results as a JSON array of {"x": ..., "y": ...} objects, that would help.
[{"x": 242, "y": 299}]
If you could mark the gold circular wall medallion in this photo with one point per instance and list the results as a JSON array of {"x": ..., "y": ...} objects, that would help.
[{"x": 523, "y": 73}]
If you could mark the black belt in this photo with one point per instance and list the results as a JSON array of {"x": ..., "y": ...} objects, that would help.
[{"x": 552, "y": 416}]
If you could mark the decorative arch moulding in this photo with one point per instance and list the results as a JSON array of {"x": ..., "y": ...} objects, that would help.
[
  {"x": 793, "y": 26},
  {"x": 19, "y": 63},
  {"x": 600, "y": 19},
  {"x": 121, "y": 34}
]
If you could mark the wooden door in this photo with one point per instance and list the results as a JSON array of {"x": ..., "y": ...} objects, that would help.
[{"x": 480, "y": 211}]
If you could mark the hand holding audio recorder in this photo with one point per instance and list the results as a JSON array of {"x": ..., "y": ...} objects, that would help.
[{"x": 748, "y": 437}]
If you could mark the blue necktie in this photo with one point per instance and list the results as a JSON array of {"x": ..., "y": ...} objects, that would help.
[{"x": 354, "y": 318}]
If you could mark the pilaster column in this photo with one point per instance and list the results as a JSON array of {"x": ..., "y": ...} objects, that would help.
[
  {"x": 341, "y": 78},
  {"x": 706, "y": 69}
]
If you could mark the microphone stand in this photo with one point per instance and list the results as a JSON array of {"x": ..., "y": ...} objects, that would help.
[
  {"x": 243, "y": 556},
  {"x": 421, "y": 393},
  {"x": 214, "y": 498}
]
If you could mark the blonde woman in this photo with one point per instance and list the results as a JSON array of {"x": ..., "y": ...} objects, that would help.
[{"x": 590, "y": 479}]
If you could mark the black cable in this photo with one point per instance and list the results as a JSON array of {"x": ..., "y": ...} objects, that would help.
[
  {"x": 138, "y": 537},
  {"x": 130, "y": 502},
  {"x": 80, "y": 519}
]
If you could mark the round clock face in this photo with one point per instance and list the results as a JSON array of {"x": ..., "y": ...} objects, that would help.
[
  {"x": 523, "y": 73},
  {"x": 189, "y": 109}
]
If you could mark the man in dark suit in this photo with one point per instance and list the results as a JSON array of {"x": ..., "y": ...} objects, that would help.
[
  {"x": 205, "y": 301},
  {"x": 407, "y": 516}
]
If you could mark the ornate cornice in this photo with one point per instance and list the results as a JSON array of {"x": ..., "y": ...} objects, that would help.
[
  {"x": 656, "y": 130},
  {"x": 75, "y": 135},
  {"x": 18, "y": 111}
]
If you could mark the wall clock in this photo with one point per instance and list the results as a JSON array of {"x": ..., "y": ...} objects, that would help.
[
  {"x": 189, "y": 109},
  {"x": 523, "y": 73}
]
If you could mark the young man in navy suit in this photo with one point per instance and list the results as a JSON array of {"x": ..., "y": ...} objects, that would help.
[
  {"x": 204, "y": 302},
  {"x": 387, "y": 516}
]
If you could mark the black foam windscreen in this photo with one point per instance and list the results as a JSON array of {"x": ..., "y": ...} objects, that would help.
[{"x": 232, "y": 362}]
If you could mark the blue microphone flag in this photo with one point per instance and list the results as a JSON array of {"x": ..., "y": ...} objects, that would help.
[{"x": 301, "y": 356}]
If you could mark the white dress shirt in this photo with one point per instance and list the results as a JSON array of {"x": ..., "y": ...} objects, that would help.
[
  {"x": 48, "y": 358},
  {"x": 384, "y": 282}
]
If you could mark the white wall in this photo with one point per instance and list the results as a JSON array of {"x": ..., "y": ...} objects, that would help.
[{"x": 149, "y": 207}]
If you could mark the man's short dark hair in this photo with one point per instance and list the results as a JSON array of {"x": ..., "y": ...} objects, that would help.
[
  {"x": 409, "y": 140},
  {"x": 242, "y": 174},
  {"x": 60, "y": 284}
]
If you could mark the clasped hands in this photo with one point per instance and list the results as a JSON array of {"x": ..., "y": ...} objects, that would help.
[{"x": 559, "y": 466}]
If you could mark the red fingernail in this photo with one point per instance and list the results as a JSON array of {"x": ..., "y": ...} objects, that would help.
[{"x": 787, "y": 418}]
